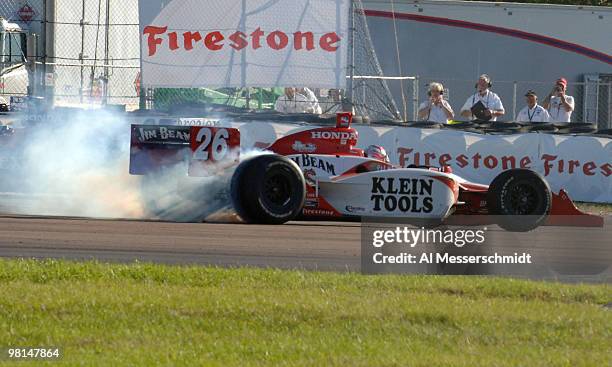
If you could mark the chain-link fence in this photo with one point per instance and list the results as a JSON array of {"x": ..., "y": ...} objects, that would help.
[
  {"x": 93, "y": 52},
  {"x": 96, "y": 52}
]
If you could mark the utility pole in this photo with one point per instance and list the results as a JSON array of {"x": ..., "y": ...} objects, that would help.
[
  {"x": 351, "y": 53},
  {"x": 81, "y": 55},
  {"x": 106, "y": 51}
]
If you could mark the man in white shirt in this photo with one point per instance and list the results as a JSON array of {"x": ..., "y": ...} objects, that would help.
[
  {"x": 533, "y": 112},
  {"x": 436, "y": 108},
  {"x": 292, "y": 102},
  {"x": 493, "y": 104},
  {"x": 559, "y": 105},
  {"x": 312, "y": 98}
]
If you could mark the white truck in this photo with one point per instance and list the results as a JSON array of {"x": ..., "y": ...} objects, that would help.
[{"x": 14, "y": 78}]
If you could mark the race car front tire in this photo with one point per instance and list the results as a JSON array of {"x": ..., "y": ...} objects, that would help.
[
  {"x": 520, "y": 200},
  {"x": 268, "y": 189}
]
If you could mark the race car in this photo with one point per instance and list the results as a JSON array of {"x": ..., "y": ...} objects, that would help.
[{"x": 318, "y": 173}]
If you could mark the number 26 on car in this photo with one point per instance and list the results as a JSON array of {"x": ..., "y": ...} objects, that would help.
[{"x": 212, "y": 149}]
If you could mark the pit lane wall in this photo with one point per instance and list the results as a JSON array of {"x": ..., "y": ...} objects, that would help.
[{"x": 582, "y": 165}]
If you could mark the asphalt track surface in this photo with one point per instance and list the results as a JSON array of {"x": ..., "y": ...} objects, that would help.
[
  {"x": 327, "y": 246},
  {"x": 306, "y": 245}
]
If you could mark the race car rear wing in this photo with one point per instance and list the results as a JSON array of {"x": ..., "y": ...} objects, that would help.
[
  {"x": 204, "y": 149},
  {"x": 209, "y": 148}
]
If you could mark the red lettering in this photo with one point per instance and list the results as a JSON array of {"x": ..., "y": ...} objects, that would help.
[
  {"x": 403, "y": 152},
  {"x": 428, "y": 158},
  {"x": 462, "y": 160},
  {"x": 588, "y": 168},
  {"x": 298, "y": 38},
  {"x": 508, "y": 162},
  {"x": 212, "y": 40},
  {"x": 572, "y": 164},
  {"x": 547, "y": 166},
  {"x": 256, "y": 35},
  {"x": 152, "y": 41},
  {"x": 189, "y": 37},
  {"x": 173, "y": 41},
  {"x": 490, "y": 162},
  {"x": 444, "y": 158},
  {"x": 606, "y": 169},
  {"x": 525, "y": 162},
  {"x": 417, "y": 159},
  {"x": 561, "y": 166},
  {"x": 328, "y": 40},
  {"x": 277, "y": 40},
  {"x": 238, "y": 41},
  {"x": 476, "y": 157}
]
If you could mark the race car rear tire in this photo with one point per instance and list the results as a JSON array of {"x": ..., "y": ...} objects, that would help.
[
  {"x": 268, "y": 189},
  {"x": 520, "y": 199}
]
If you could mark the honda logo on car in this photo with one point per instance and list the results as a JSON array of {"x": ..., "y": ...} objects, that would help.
[
  {"x": 343, "y": 136},
  {"x": 409, "y": 195},
  {"x": 306, "y": 160}
]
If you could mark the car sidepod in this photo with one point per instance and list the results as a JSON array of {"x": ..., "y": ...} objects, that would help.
[{"x": 410, "y": 193}]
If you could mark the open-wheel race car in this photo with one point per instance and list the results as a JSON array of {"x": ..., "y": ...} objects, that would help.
[{"x": 318, "y": 173}]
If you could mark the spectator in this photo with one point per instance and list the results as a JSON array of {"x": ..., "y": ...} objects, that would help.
[
  {"x": 533, "y": 112},
  {"x": 333, "y": 102},
  {"x": 559, "y": 105},
  {"x": 292, "y": 102},
  {"x": 436, "y": 108},
  {"x": 493, "y": 104},
  {"x": 312, "y": 98}
]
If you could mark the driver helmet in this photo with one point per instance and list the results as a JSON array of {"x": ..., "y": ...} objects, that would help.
[{"x": 377, "y": 152}]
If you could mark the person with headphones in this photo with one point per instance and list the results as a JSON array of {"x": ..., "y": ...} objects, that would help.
[
  {"x": 493, "y": 107},
  {"x": 436, "y": 108}
]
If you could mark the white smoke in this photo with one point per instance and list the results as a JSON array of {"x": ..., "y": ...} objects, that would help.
[{"x": 77, "y": 164}]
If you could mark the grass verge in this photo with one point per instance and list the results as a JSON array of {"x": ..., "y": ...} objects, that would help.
[{"x": 143, "y": 314}]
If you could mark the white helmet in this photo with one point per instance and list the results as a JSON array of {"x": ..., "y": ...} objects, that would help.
[{"x": 377, "y": 152}]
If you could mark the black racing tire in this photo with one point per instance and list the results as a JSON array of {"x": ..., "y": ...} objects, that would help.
[
  {"x": 268, "y": 189},
  {"x": 521, "y": 199}
]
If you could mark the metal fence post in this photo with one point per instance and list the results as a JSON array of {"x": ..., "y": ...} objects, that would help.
[
  {"x": 415, "y": 98},
  {"x": 585, "y": 102},
  {"x": 514, "y": 100},
  {"x": 609, "y": 117}
]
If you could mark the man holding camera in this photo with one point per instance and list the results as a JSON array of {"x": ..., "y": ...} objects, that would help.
[
  {"x": 436, "y": 108},
  {"x": 559, "y": 105}
]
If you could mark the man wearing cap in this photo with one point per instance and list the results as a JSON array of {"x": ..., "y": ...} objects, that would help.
[
  {"x": 491, "y": 101},
  {"x": 559, "y": 105},
  {"x": 533, "y": 112}
]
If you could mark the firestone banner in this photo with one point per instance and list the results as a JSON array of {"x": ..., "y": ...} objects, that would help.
[
  {"x": 581, "y": 165},
  {"x": 239, "y": 43}
]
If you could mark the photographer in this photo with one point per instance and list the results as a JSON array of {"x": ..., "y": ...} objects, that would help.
[
  {"x": 559, "y": 105},
  {"x": 436, "y": 108}
]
